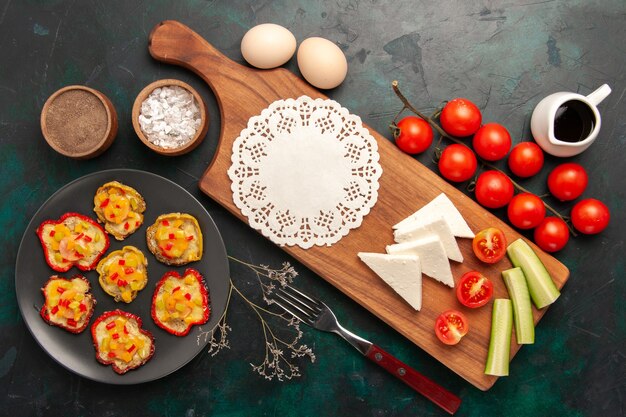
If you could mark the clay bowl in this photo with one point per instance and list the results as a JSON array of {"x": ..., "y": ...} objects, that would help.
[
  {"x": 200, "y": 133},
  {"x": 79, "y": 122}
]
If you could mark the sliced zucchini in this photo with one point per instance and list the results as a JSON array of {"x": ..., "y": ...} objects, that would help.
[
  {"x": 522, "y": 311},
  {"x": 540, "y": 285},
  {"x": 500, "y": 342}
]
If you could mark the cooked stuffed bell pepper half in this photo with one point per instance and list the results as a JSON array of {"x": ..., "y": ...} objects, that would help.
[
  {"x": 120, "y": 341},
  {"x": 175, "y": 239},
  {"x": 73, "y": 239},
  {"x": 120, "y": 208},
  {"x": 179, "y": 302},
  {"x": 123, "y": 273},
  {"x": 68, "y": 303}
]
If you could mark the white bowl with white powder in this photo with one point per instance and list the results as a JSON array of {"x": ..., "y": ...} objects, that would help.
[{"x": 170, "y": 117}]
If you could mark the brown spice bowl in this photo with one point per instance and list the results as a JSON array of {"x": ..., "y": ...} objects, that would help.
[
  {"x": 202, "y": 129},
  {"x": 79, "y": 122}
]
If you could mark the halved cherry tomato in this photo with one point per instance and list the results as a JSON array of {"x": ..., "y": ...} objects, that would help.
[
  {"x": 451, "y": 326},
  {"x": 489, "y": 245},
  {"x": 474, "y": 290}
]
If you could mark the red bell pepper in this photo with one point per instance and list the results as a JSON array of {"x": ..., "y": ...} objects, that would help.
[
  {"x": 197, "y": 313},
  {"x": 59, "y": 261},
  {"x": 55, "y": 305},
  {"x": 112, "y": 357}
]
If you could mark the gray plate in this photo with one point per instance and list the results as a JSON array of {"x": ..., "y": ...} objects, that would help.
[{"x": 76, "y": 352}]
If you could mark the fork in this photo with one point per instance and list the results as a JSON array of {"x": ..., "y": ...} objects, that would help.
[{"x": 318, "y": 315}]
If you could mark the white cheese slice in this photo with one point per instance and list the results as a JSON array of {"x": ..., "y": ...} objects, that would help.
[
  {"x": 400, "y": 272},
  {"x": 441, "y": 206},
  {"x": 432, "y": 255},
  {"x": 438, "y": 227}
]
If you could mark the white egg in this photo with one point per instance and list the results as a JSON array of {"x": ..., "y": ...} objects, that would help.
[
  {"x": 268, "y": 46},
  {"x": 322, "y": 63}
]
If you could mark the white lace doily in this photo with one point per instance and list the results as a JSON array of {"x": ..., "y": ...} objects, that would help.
[{"x": 304, "y": 172}]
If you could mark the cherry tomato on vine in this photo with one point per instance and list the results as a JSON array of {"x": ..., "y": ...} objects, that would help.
[
  {"x": 457, "y": 163},
  {"x": 492, "y": 142},
  {"x": 552, "y": 234},
  {"x": 526, "y": 211},
  {"x": 489, "y": 245},
  {"x": 568, "y": 181},
  {"x": 474, "y": 290},
  {"x": 451, "y": 326},
  {"x": 590, "y": 216},
  {"x": 415, "y": 135},
  {"x": 493, "y": 189},
  {"x": 526, "y": 159},
  {"x": 460, "y": 117}
]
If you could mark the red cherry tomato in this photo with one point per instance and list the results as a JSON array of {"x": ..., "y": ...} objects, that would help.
[
  {"x": 526, "y": 159},
  {"x": 493, "y": 189},
  {"x": 492, "y": 142},
  {"x": 526, "y": 211},
  {"x": 552, "y": 234},
  {"x": 474, "y": 290},
  {"x": 489, "y": 245},
  {"x": 457, "y": 163},
  {"x": 590, "y": 216},
  {"x": 451, "y": 326},
  {"x": 460, "y": 117},
  {"x": 567, "y": 181},
  {"x": 415, "y": 135}
]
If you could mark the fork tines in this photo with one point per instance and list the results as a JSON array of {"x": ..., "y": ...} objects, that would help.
[{"x": 298, "y": 304}]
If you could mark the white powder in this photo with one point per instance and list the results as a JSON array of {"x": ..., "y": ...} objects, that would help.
[{"x": 170, "y": 117}]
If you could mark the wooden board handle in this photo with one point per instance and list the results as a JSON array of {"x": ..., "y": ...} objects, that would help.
[
  {"x": 235, "y": 86},
  {"x": 173, "y": 42}
]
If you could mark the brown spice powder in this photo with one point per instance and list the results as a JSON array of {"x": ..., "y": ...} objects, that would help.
[{"x": 76, "y": 121}]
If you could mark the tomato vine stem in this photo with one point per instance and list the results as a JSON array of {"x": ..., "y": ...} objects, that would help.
[{"x": 442, "y": 134}]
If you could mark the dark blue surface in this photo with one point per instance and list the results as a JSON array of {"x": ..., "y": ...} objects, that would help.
[{"x": 505, "y": 56}]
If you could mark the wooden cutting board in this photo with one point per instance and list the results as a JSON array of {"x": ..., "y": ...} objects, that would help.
[{"x": 405, "y": 186}]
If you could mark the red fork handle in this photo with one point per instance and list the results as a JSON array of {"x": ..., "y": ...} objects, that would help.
[{"x": 429, "y": 389}]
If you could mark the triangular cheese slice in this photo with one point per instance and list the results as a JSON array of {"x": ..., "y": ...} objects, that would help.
[
  {"x": 400, "y": 272},
  {"x": 432, "y": 256},
  {"x": 441, "y": 206},
  {"x": 438, "y": 227}
]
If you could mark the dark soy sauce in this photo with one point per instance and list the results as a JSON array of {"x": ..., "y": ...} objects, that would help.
[{"x": 574, "y": 121}]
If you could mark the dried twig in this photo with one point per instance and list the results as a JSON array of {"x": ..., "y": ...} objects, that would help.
[{"x": 279, "y": 351}]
